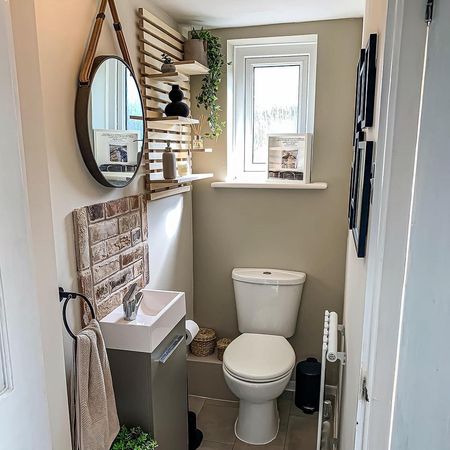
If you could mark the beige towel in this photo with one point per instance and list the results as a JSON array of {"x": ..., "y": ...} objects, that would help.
[{"x": 94, "y": 422}]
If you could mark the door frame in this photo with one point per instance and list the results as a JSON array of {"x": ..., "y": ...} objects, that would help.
[
  {"x": 35, "y": 180},
  {"x": 405, "y": 43}
]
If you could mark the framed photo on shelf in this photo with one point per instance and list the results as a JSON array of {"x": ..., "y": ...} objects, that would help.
[
  {"x": 360, "y": 193},
  {"x": 289, "y": 157}
]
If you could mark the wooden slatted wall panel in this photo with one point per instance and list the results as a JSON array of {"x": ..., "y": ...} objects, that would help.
[{"x": 156, "y": 37}]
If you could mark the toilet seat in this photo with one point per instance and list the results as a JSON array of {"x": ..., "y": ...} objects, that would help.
[{"x": 259, "y": 358}]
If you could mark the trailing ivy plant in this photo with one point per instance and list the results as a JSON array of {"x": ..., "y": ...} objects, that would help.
[
  {"x": 133, "y": 439},
  {"x": 211, "y": 82}
]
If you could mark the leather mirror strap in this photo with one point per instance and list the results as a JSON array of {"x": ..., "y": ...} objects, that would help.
[{"x": 88, "y": 60}]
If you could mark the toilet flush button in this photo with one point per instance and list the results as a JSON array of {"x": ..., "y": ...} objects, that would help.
[{"x": 267, "y": 273}]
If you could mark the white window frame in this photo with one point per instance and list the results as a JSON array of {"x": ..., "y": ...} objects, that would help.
[{"x": 245, "y": 55}]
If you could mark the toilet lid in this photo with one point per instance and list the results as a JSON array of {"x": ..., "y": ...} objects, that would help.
[{"x": 259, "y": 357}]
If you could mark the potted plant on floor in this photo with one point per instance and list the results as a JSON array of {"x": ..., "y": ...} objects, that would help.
[
  {"x": 211, "y": 82},
  {"x": 133, "y": 438}
]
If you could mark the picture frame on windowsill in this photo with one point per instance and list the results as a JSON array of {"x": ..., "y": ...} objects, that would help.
[{"x": 289, "y": 157}]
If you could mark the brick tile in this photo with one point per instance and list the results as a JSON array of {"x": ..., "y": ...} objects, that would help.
[
  {"x": 86, "y": 284},
  {"x": 101, "y": 291},
  {"x": 146, "y": 265},
  {"x": 98, "y": 252},
  {"x": 136, "y": 236},
  {"x": 110, "y": 304},
  {"x": 80, "y": 225},
  {"x": 134, "y": 202},
  {"x": 116, "y": 244},
  {"x": 132, "y": 255},
  {"x": 129, "y": 221},
  {"x": 138, "y": 268},
  {"x": 120, "y": 279},
  {"x": 96, "y": 212},
  {"x": 105, "y": 269},
  {"x": 103, "y": 230},
  {"x": 116, "y": 207},
  {"x": 144, "y": 218}
]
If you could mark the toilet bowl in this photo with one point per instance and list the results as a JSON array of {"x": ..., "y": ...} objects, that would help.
[
  {"x": 257, "y": 365},
  {"x": 257, "y": 369}
]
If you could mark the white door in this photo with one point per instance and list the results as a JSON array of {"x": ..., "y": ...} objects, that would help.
[
  {"x": 410, "y": 368},
  {"x": 24, "y": 423},
  {"x": 421, "y": 414}
]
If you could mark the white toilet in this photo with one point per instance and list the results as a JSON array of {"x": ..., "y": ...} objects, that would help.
[{"x": 258, "y": 364}]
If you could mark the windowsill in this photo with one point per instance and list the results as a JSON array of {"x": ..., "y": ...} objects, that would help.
[{"x": 266, "y": 184}]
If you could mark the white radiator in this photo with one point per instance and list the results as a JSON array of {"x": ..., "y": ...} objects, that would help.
[{"x": 332, "y": 351}]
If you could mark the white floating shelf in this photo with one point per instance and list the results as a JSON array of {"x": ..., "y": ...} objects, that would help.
[
  {"x": 169, "y": 78},
  {"x": 269, "y": 185},
  {"x": 191, "y": 68},
  {"x": 158, "y": 178},
  {"x": 172, "y": 120},
  {"x": 201, "y": 150}
]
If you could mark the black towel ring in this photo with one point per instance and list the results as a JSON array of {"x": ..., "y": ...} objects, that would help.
[{"x": 66, "y": 296}]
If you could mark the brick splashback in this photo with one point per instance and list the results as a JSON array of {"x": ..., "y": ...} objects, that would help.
[{"x": 112, "y": 250}]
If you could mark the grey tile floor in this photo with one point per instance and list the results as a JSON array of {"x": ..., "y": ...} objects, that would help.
[{"x": 216, "y": 420}]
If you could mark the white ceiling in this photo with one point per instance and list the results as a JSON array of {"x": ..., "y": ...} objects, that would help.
[{"x": 237, "y": 13}]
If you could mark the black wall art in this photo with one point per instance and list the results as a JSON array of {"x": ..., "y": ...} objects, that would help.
[
  {"x": 362, "y": 166},
  {"x": 360, "y": 193}
]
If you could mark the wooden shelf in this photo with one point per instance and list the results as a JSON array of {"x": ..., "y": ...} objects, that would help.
[
  {"x": 169, "y": 78},
  {"x": 156, "y": 178},
  {"x": 168, "y": 192},
  {"x": 172, "y": 120},
  {"x": 191, "y": 68},
  {"x": 200, "y": 150}
]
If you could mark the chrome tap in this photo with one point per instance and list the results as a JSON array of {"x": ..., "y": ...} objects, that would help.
[{"x": 131, "y": 302}]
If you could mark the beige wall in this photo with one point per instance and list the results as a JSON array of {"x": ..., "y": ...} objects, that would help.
[
  {"x": 298, "y": 230},
  {"x": 63, "y": 28},
  {"x": 356, "y": 268}
]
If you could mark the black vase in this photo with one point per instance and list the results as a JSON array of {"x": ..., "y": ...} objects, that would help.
[{"x": 177, "y": 107}]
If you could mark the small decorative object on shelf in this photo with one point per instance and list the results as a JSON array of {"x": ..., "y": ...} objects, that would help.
[
  {"x": 204, "y": 343},
  {"x": 197, "y": 140},
  {"x": 196, "y": 49},
  {"x": 177, "y": 107},
  {"x": 168, "y": 65},
  {"x": 169, "y": 162},
  {"x": 222, "y": 345},
  {"x": 183, "y": 168}
]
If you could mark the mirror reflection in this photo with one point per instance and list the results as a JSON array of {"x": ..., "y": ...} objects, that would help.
[{"x": 116, "y": 122}]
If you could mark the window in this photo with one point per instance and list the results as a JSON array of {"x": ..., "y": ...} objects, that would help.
[{"x": 271, "y": 89}]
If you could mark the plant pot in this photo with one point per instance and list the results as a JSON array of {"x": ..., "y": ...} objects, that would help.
[
  {"x": 167, "y": 68},
  {"x": 196, "y": 49}
]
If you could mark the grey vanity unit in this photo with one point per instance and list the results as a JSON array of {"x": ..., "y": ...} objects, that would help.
[{"x": 151, "y": 389}]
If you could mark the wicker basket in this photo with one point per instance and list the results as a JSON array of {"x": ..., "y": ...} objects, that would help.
[
  {"x": 222, "y": 344},
  {"x": 204, "y": 343}
]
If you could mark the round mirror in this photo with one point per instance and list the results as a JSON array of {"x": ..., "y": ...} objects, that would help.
[{"x": 110, "y": 122}]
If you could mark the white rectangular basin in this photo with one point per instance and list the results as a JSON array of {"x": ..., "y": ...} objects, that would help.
[{"x": 158, "y": 314}]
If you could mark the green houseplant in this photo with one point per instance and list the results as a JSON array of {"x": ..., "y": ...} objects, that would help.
[
  {"x": 133, "y": 438},
  {"x": 211, "y": 82}
]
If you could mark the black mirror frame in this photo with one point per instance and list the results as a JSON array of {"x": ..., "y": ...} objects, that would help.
[{"x": 83, "y": 127}]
